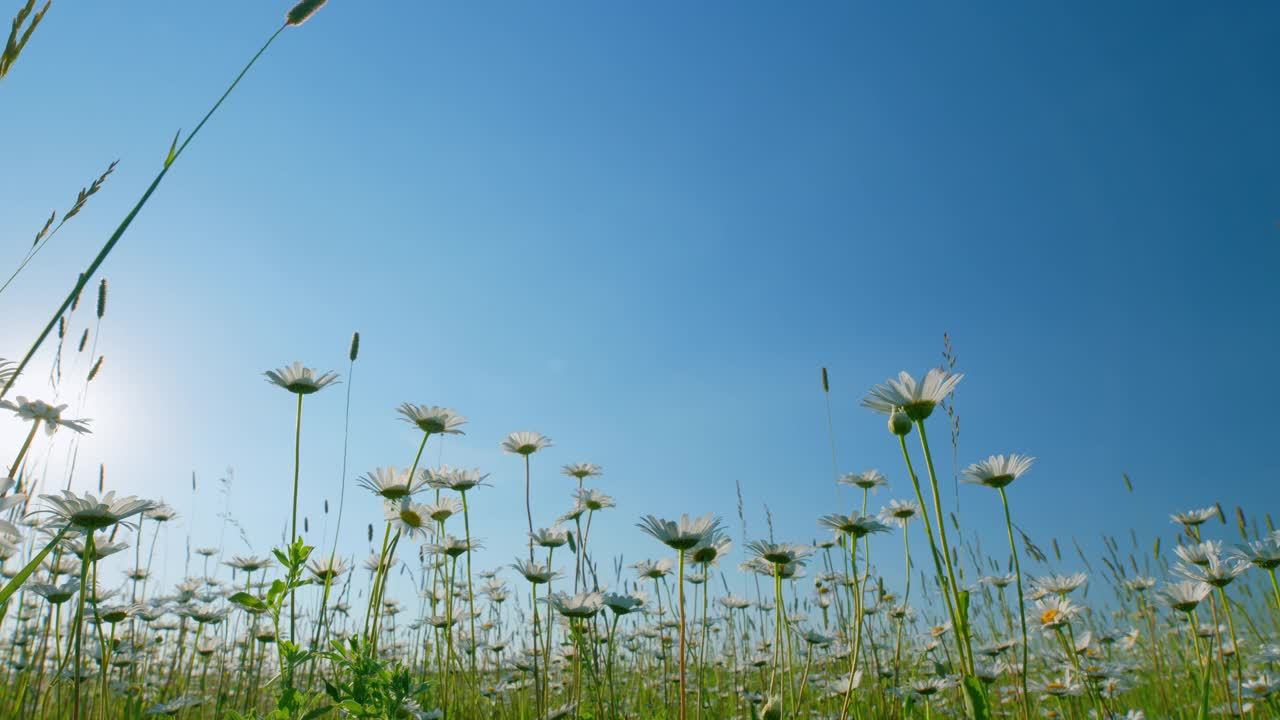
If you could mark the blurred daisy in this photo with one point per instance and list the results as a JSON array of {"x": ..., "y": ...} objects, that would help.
[
  {"x": 552, "y": 537},
  {"x": 1199, "y": 553},
  {"x": 327, "y": 569},
  {"x": 432, "y": 419},
  {"x": 582, "y": 470},
  {"x": 855, "y": 524},
  {"x": 409, "y": 518},
  {"x": 299, "y": 379},
  {"x": 779, "y": 553},
  {"x": 456, "y": 479},
  {"x": 1217, "y": 572},
  {"x": 1060, "y": 584},
  {"x": 161, "y": 513},
  {"x": 442, "y": 509},
  {"x": 535, "y": 572},
  {"x": 525, "y": 443},
  {"x": 392, "y": 483},
  {"x": 1194, "y": 518},
  {"x": 452, "y": 547},
  {"x": 1263, "y": 553},
  {"x": 931, "y": 686},
  {"x": 101, "y": 550},
  {"x": 593, "y": 499},
  {"x": 869, "y": 480},
  {"x": 1058, "y": 688},
  {"x": 1054, "y": 612},
  {"x": 38, "y": 411},
  {"x": 583, "y": 605},
  {"x": 1184, "y": 596},
  {"x": 681, "y": 535},
  {"x": 653, "y": 569},
  {"x": 56, "y": 594},
  {"x": 901, "y": 510},
  {"x": 248, "y": 564},
  {"x": 623, "y": 604},
  {"x": 710, "y": 550},
  {"x": 997, "y": 471},
  {"x": 1140, "y": 583}
]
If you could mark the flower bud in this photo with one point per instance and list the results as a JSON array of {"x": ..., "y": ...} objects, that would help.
[{"x": 899, "y": 423}]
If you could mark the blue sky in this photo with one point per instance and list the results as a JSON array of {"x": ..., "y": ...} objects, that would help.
[{"x": 641, "y": 229}]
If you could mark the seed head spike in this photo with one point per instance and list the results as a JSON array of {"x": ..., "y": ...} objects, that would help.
[{"x": 303, "y": 11}]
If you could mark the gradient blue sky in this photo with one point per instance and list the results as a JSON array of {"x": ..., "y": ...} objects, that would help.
[{"x": 641, "y": 228}]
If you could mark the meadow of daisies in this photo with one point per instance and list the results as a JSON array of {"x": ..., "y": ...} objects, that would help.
[{"x": 852, "y": 625}]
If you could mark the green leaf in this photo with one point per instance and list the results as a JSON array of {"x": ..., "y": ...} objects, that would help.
[
  {"x": 173, "y": 150},
  {"x": 317, "y": 712},
  {"x": 251, "y": 602},
  {"x": 573, "y": 546},
  {"x": 975, "y": 699},
  {"x": 964, "y": 614},
  {"x": 1202, "y": 713},
  {"x": 276, "y": 591},
  {"x": 25, "y": 572}
]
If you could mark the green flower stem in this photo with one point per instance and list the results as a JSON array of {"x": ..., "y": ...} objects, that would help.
[
  {"x": 528, "y": 511},
  {"x": 1022, "y": 614},
  {"x": 613, "y": 694},
  {"x": 379, "y": 582},
  {"x": 342, "y": 497},
  {"x": 928, "y": 527},
  {"x": 857, "y": 628},
  {"x": 382, "y": 589},
  {"x": 471, "y": 595},
  {"x": 377, "y": 578},
  {"x": 897, "y": 643},
  {"x": 293, "y": 528},
  {"x": 547, "y": 627},
  {"x": 1231, "y": 625},
  {"x": 79, "y": 619},
  {"x": 12, "y": 586},
  {"x": 26, "y": 445},
  {"x": 702, "y": 645},
  {"x": 537, "y": 660},
  {"x": 680, "y": 581},
  {"x": 953, "y": 589}
]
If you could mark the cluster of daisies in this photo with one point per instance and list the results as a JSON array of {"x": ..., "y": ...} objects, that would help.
[{"x": 850, "y": 625}]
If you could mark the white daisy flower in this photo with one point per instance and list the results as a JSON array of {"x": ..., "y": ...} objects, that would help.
[
  {"x": 916, "y": 399},
  {"x": 582, "y": 470},
  {"x": 432, "y": 419},
  {"x": 681, "y": 535},
  {"x": 997, "y": 471},
  {"x": 392, "y": 483},
  {"x": 525, "y": 442},
  {"x": 89, "y": 513},
  {"x": 39, "y": 411},
  {"x": 299, "y": 379}
]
